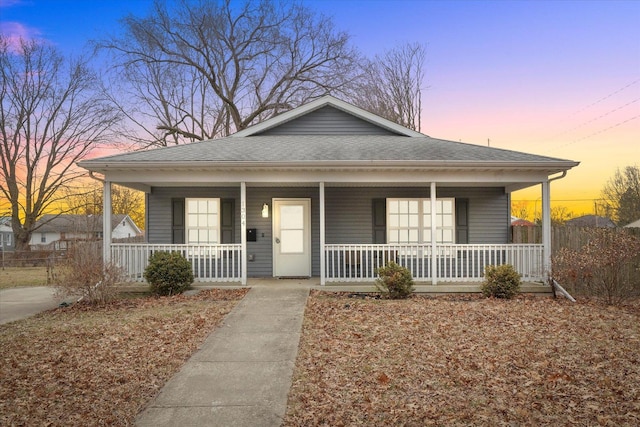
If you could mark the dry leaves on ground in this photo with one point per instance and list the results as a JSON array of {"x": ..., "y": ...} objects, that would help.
[
  {"x": 88, "y": 366},
  {"x": 465, "y": 361}
]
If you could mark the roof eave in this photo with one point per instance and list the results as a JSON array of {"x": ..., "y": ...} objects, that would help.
[{"x": 101, "y": 166}]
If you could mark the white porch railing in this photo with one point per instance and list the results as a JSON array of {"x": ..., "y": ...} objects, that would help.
[
  {"x": 454, "y": 263},
  {"x": 210, "y": 263}
]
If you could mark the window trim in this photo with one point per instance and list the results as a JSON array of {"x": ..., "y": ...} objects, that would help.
[{"x": 422, "y": 226}]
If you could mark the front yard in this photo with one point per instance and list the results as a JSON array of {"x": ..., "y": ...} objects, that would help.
[
  {"x": 466, "y": 361},
  {"x": 458, "y": 360},
  {"x": 85, "y": 367}
]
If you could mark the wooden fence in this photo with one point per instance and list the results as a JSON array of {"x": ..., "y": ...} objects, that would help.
[{"x": 561, "y": 236}]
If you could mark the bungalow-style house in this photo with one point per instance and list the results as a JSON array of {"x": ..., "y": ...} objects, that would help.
[
  {"x": 7, "y": 243},
  {"x": 332, "y": 191},
  {"x": 56, "y": 230}
]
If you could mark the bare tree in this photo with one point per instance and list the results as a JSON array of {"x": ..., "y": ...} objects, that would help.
[
  {"x": 392, "y": 84},
  {"x": 88, "y": 200},
  {"x": 622, "y": 193},
  {"x": 198, "y": 70},
  {"x": 51, "y": 117}
]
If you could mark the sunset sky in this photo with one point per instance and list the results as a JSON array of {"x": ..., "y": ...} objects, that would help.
[{"x": 557, "y": 78}]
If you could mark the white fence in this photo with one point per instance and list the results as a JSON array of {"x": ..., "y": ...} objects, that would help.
[
  {"x": 210, "y": 263},
  {"x": 454, "y": 263}
]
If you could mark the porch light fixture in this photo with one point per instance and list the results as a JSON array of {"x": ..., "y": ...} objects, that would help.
[{"x": 265, "y": 211}]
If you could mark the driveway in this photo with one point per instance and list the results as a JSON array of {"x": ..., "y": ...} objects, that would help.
[{"x": 19, "y": 303}]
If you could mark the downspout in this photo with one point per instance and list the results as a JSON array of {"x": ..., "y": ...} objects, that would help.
[{"x": 95, "y": 177}]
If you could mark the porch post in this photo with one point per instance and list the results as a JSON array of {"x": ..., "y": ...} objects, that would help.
[
  {"x": 106, "y": 222},
  {"x": 434, "y": 259},
  {"x": 243, "y": 230},
  {"x": 322, "y": 239},
  {"x": 546, "y": 228}
]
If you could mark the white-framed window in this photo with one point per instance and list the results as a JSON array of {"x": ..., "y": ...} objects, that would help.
[
  {"x": 409, "y": 220},
  {"x": 43, "y": 238},
  {"x": 202, "y": 220}
]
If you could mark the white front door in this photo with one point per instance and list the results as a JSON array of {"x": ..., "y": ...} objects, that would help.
[{"x": 292, "y": 237}]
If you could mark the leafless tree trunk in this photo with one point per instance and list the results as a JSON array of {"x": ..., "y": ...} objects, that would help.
[
  {"x": 51, "y": 117},
  {"x": 392, "y": 84},
  {"x": 199, "y": 70}
]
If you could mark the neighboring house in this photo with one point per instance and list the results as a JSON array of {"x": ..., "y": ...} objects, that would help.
[
  {"x": 7, "y": 242},
  {"x": 634, "y": 224},
  {"x": 63, "y": 228},
  {"x": 590, "y": 221},
  {"x": 519, "y": 222},
  {"x": 332, "y": 191}
]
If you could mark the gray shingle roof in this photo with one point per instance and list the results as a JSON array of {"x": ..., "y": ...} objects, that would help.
[{"x": 324, "y": 148}]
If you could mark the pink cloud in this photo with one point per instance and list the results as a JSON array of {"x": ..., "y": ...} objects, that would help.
[{"x": 15, "y": 31}]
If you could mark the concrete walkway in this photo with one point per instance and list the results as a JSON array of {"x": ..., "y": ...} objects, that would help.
[
  {"x": 20, "y": 303},
  {"x": 242, "y": 373}
]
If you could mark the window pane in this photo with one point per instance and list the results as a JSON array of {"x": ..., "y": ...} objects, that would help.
[
  {"x": 426, "y": 235},
  {"x": 426, "y": 206},
  {"x": 413, "y": 206},
  {"x": 393, "y": 220},
  {"x": 447, "y": 236},
  {"x": 413, "y": 221},
  {"x": 291, "y": 217},
  {"x": 203, "y": 236},
  {"x": 212, "y": 206},
  {"x": 404, "y": 206},
  {"x": 393, "y": 236},
  {"x": 202, "y": 206},
  {"x": 192, "y": 206},
  {"x": 439, "y": 221},
  {"x": 213, "y": 236},
  {"x": 413, "y": 236},
  {"x": 447, "y": 206},
  {"x": 404, "y": 221},
  {"x": 393, "y": 206},
  {"x": 193, "y": 236},
  {"x": 447, "y": 220},
  {"x": 292, "y": 241}
]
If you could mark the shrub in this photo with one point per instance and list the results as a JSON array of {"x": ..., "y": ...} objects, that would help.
[
  {"x": 168, "y": 273},
  {"x": 82, "y": 274},
  {"x": 394, "y": 281},
  {"x": 605, "y": 267},
  {"x": 501, "y": 281}
]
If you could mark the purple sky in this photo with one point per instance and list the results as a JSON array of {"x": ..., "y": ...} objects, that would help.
[{"x": 558, "y": 78}]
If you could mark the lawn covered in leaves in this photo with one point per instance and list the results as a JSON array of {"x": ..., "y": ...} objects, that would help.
[
  {"x": 88, "y": 366},
  {"x": 466, "y": 361}
]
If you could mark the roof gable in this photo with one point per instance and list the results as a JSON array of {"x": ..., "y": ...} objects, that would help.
[
  {"x": 326, "y": 120},
  {"x": 328, "y": 100}
]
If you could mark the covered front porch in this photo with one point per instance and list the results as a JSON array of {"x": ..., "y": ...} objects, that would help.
[{"x": 338, "y": 258}]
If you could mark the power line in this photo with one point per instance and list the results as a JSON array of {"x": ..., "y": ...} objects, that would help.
[
  {"x": 599, "y": 117},
  {"x": 606, "y": 97},
  {"x": 596, "y": 133}
]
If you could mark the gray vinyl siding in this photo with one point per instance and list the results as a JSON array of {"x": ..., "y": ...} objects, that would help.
[
  {"x": 159, "y": 208},
  {"x": 349, "y": 212},
  {"x": 348, "y": 215},
  {"x": 327, "y": 121}
]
